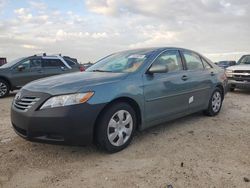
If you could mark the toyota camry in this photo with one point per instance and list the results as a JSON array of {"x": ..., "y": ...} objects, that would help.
[{"x": 122, "y": 93}]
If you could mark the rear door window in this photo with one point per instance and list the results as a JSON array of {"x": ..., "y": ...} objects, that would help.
[
  {"x": 70, "y": 62},
  {"x": 52, "y": 63},
  {"x": 206, "y": 64},
  {"x": 35, "y": 63},
  {"x": 193, "y": 61}
]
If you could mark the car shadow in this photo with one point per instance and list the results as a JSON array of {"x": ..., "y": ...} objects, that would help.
[
  {"x": 11, "y": 94},
  {"x": 77, "y": 152},
  {"x": 170, "y": 125},
  {"x": 241, "y": 91}
]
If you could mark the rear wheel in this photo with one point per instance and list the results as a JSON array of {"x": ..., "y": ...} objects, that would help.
[
  {"x": 116, "y": 127},
  {"x": 4, "y": 88},
  {"x": 215, "y": 103}
]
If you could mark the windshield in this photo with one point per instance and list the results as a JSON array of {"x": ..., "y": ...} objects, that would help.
[
  {"x": 10, "y": 64},
  {"x": 223, "y": 63},
  {"x": 244, "y": 60},
  {"x": 128, "y": 61}
]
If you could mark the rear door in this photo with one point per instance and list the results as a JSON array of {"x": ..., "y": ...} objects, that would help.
[
  {"x": 199, "y": 80},
  {"x": 53, "y": 67},
  {"x": 31, "y": 70}
]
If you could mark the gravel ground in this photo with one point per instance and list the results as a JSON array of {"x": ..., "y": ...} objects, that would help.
[{"x": 195, "y": 151}]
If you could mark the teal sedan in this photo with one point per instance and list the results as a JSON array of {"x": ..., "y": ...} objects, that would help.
[{"x": 121, "y": 93}]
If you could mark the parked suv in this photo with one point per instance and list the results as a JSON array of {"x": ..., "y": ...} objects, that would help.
[
  {"x": 21, "y": 71},
  {"x": 226, "y": 64},
  {"x": 239, "y": 75},
  {"x": 2, "y": 61},
  {"x": 123, "y": 92}
]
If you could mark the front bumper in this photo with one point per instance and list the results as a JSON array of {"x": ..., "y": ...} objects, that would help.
[
  {"x": 244, "y": 84},
  {"x": 69, "y": 125}
]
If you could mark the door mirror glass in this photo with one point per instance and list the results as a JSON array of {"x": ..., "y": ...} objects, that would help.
[
  {"x": 20, "y": 68},
  {"x": 158, "y": 69}
]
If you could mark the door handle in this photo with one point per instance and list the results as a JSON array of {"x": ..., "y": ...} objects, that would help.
[
  {"x": 212, "y": 73},
  {"x": 184, "y": 77},
  {"x": 39, "y": 71}
]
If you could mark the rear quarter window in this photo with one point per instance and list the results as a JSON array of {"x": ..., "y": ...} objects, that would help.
[
  {"x": 206, "y": 64},
  {"x": 193, "y": 61},
  {"x": 52, "y": 63},
  {"x": 70, "y": 62}
]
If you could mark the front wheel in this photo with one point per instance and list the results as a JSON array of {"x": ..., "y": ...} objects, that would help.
[
  {"x": 4, "y": 88},
  {"x": 215, "y": 103},
  {"x": 116, "y": 127}
]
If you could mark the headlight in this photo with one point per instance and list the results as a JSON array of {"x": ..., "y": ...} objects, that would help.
[
  {"x": 229, "y": 73},
  {"x": 66, "y": 100}
]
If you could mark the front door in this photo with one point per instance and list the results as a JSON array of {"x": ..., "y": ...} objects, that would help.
[
  {"x": 26, "y": 71},
  {"x": 164, "y": 93}
]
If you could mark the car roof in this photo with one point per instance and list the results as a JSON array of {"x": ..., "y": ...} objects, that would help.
[{"x": 152, "y": 49}]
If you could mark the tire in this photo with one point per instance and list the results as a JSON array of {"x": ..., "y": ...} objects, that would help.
[
  {"x": 215, "y": 103},
  {"x": 4, "y": 88},
  {"x": 232, "y": 89},
  {"x": 113, "y": 134}
]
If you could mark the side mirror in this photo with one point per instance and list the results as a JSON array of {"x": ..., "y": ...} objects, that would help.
[
  {"x": 63, "y": 68},
  {"x": 158, "y": 69},
  {"x": 20, "y": 68}
]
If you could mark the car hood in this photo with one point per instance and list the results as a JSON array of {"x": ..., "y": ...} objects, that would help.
[
  {"x": 3, "y": 69},
  {"x": 239, "y": 67},
  {"x": 223, "y": 66},
  {"x": 73, "y": 82}
]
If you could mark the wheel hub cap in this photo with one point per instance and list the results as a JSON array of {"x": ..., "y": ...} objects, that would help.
[
  {"x": 216, "y": 101},
  {"x": 120, "y": 128}
]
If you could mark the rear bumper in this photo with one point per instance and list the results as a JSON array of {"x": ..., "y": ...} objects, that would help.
[{"x": 72, "y": 125}]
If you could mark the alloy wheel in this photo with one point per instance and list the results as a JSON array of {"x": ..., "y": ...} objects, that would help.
[{"x": 3, "y": 89}]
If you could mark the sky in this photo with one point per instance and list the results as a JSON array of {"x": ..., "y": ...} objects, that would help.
[{"x": 91, "y": 29}]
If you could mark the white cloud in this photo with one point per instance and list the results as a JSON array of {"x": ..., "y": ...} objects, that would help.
[
  {"x": 28, "y": 46},
  {"x": 217, "y": 28},
  {"x": 156, "y": 36},
  {"x": 23, "y": 14},
  {"x": 106, "y": 7},
  {"x": 2, "y": 4},
  {"x": 99, "y": 35},
  {"x": 38, "y": 5}
]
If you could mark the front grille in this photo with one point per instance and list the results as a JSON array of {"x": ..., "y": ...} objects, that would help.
[
  {"x": 25, "y": 103},
  {"x": 241, "y": 75},
  {"x": 242, "y": 71}
]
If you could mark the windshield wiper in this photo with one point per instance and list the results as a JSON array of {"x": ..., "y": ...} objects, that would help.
[{"x": 98, "y": 70}]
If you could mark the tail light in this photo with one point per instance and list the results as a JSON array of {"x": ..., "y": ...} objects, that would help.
[{"x": 82, "y": 69}]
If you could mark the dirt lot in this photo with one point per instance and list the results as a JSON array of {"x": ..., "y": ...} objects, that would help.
[{"x": 195, "y": 151}]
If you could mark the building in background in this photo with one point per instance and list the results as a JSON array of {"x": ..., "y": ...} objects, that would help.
[{"x": 3, "y": 60}]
